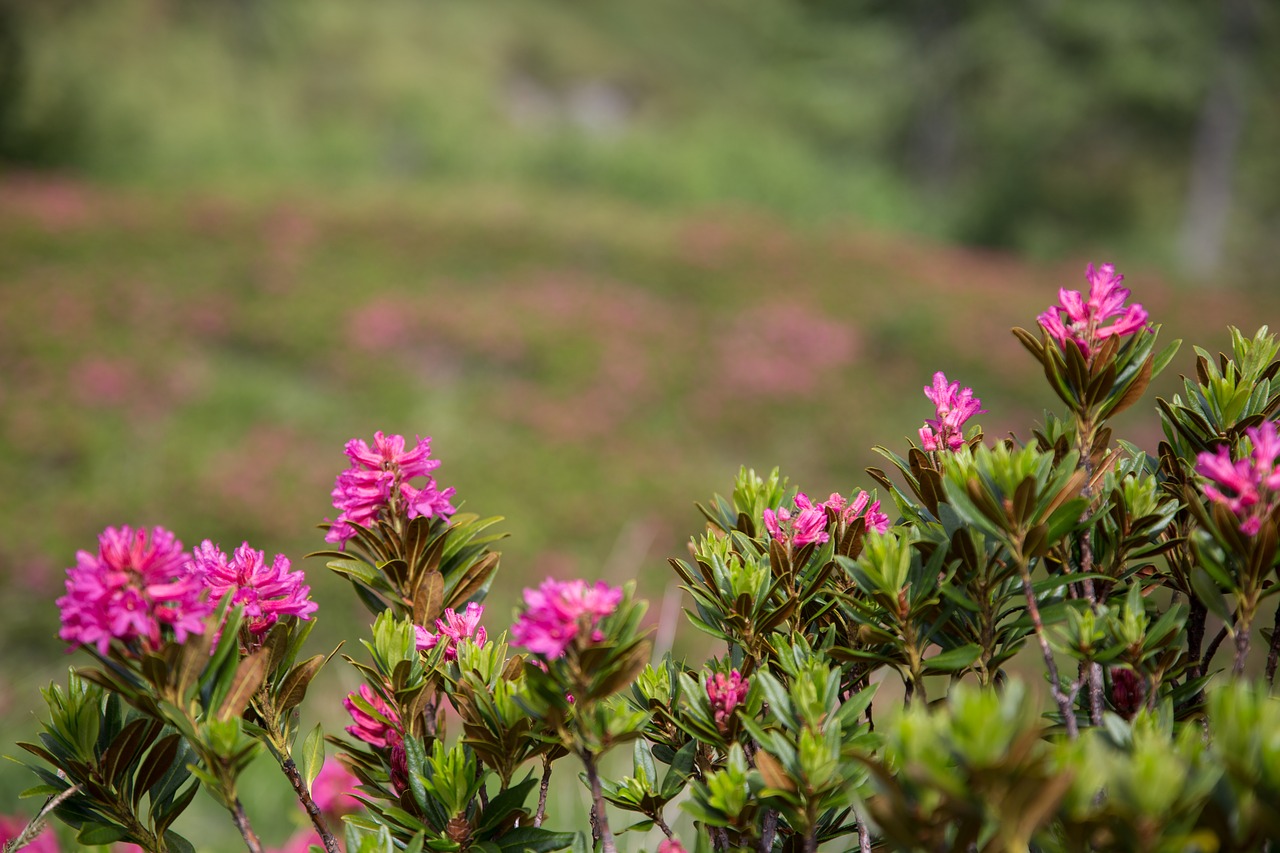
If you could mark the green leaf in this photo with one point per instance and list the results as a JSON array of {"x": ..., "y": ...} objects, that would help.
[
  {"x": 534, "y": 839},
  {"x": 955, "y": 659},
  {"x": 1209, "y": 594},
  {"x": 94, "y": 834},
  {"x": 313, "y": 755}
]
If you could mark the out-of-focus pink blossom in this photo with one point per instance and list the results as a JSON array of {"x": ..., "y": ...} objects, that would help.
[
  {"x": 300, "y": 842},
  {"x": 12, "y": 827},
  {"x": 378, "y": 480},
  {"x": 557, "y": 613},
  {"x": 807, "y": 526},
  {"x": 453, "y": 628},
  {"x": 1249, "y": 487},
  {"x": 332, "y": 790},
  {"x": 1085, "y": 322},
  {"x": 372, "y": 719},
  {"x": 954, "y": 406},
  {"x": 725, "y": 693},
  {"x": 848, "y": 511},
  {"x": 136, "y": 585},
  {"x": 265, "y": 593},
  {"x": 671, "y": 845}
]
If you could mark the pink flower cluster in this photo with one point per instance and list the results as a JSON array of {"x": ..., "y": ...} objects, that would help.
[
  {"x": 846, "y": 512},
  {"x": 372, "y": 719},
  {"x": 807, "y": 526},
  {"x": 1085, "y": 322},
  {"x": 135, "y": 585},
  {"x": 453, "y": 628},
  {"x": 558, "y": 613},
  {"x": 265, "y": 593},
  {"x": 1250, "y": 487},
  {"x": 809, "y": 523},
  {"x": 725, "y": 694},
  {"x": 954, "y": 406},
  {"x": 377, "y": 724},
  {"x": 378, "y": 479}
]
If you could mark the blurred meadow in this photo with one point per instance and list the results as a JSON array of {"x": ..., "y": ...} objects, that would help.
[{"x": 604, "y": 253}]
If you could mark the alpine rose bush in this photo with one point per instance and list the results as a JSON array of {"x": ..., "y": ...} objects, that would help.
[{"x": 1063, "y": 548}]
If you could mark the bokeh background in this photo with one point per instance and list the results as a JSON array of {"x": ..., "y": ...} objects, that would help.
[{"x": 602, "y": 252}]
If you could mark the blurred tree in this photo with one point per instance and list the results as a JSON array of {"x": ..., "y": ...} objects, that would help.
[{"x": 1217, "y": 144}]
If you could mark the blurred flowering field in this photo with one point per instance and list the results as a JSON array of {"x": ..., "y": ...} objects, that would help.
[{"x": 585, "y": 368}]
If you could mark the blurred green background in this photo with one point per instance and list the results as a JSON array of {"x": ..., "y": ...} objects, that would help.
[{"x": 603, "y": 252}]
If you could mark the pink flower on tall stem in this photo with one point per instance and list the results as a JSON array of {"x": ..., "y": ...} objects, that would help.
[
  {"x": 265, "y": 593},
  {"x": 1249, "y": 487},
  {"x": 135, "y": 588},
  {"x": 1085, "y": 322},
  {"x": 807, "y": 526},
  {"x": 725, "y": 692},
  {"x": 559, "y": 612},
  {"x": 372, "y": 719},
  {"x": 453, "y": 628},
  {"x": 954, "y": 406},
  {"x": 378, "y": 481}
]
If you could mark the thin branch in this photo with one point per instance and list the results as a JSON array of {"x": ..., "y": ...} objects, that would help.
[
  {"x": 1065, "y": 701},
  {"x": 1213, "y": 649},
  {"x": 1273, "y": 654},
  {"x": 542, "y": 792},
  {"x": 313, "y": 811},
  {"x": 246, "y": 832}
]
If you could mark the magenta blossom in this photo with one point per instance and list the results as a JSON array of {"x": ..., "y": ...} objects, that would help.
[
  {"x": 808, "y": 525},
  {"x": 1085, "y": 323},
  {"x": 557, "y": 613},
  {"x": 954, "y": 406},
  {"x": 453, "y": 628},
  {"x": 847, "y": 512},
  {"x": 373, "y": 720},
  {"x": 332, "y": 790},
  {"x": 725, "y": 693},
  {"x": 378, "y": 480},
  {"x": 265, "y": 593},
  {"x": 671, "y": 845},
  {"x": 133, "y": 588},
  {"x": 1249, "y": 487}
]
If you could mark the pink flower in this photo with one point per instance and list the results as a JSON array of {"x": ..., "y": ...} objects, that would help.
[
  {"x": 954, "y": 406},
  {"x": 378, "y": 480},
  {"x": 12, "y": 827},
  {"x": 332, "y": 790},
  {"x": 557, "y": 613},
  {"x": 1084, "y": 322},
  {"x": 132, "y": 589},
  {"x": 808, "y": 525},
  {"x": 265, "y": 593},
  {"x": 454, "y": 628},
  {"x": 1249, "y": 487},
  {"x": 373, "y": 720},
  {"x": 671, "y": 845},
  {"x": 847, "y": 513},
  {"x": 725, "y": 694}
]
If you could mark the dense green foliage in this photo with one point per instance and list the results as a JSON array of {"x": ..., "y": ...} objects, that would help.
[{"x": 1047, "y": 127}]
